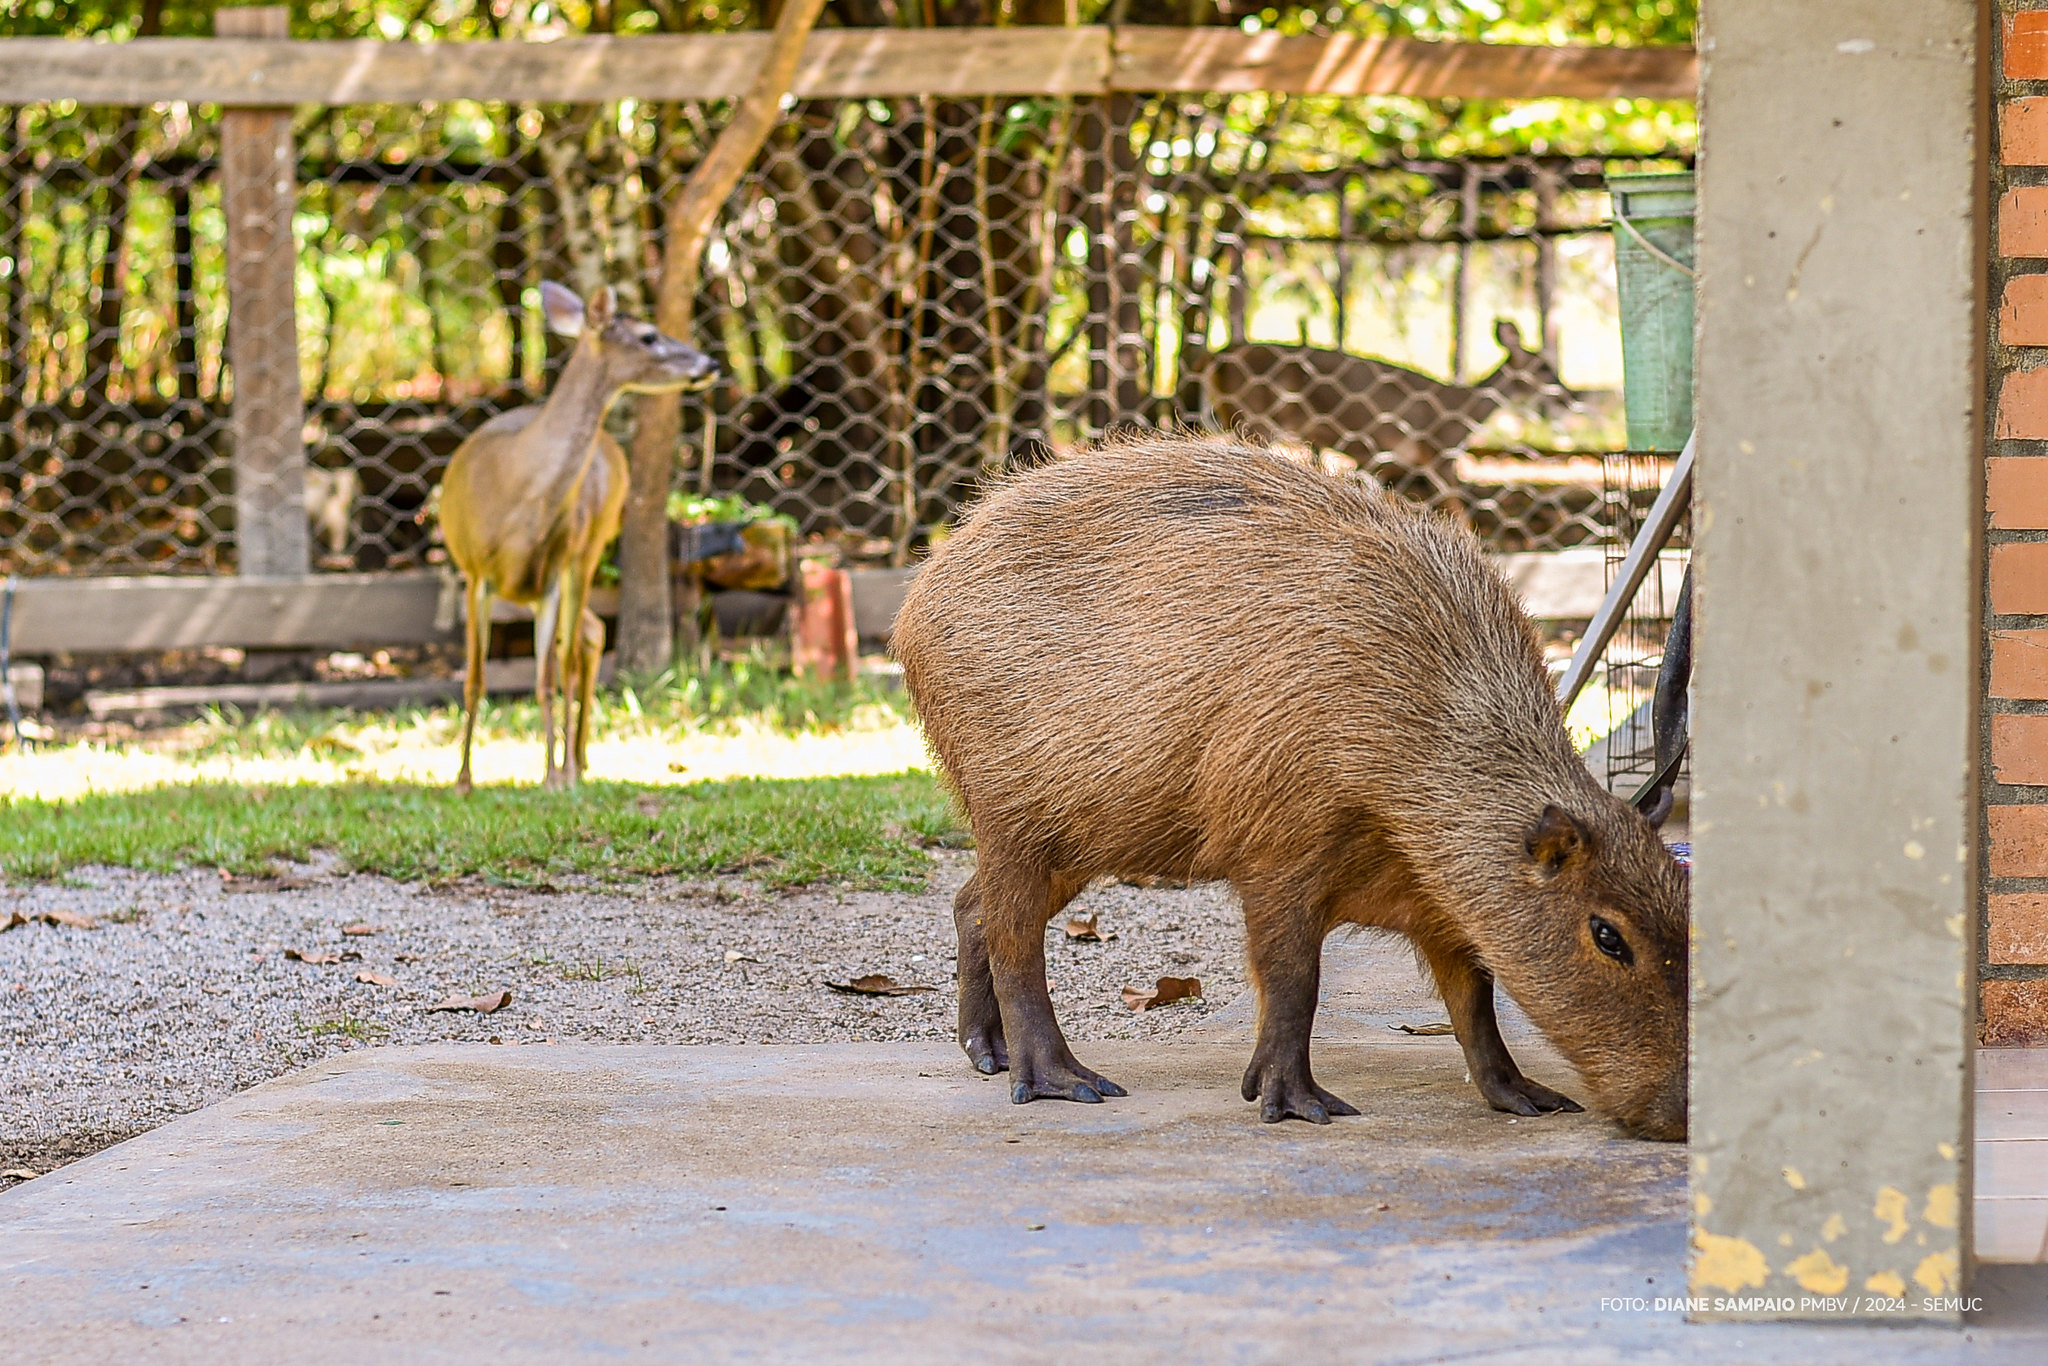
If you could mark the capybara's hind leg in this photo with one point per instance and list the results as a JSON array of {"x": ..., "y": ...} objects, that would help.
[
  {"x": 981, "y": 1020},
  {"x": 1016, "y": 902},
  {"x": 1285, "y": 951},
  {"x": 1467, "y": 989}
]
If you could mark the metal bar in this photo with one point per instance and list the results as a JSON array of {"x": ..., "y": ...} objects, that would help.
[{"x": 1635, "y": 567}]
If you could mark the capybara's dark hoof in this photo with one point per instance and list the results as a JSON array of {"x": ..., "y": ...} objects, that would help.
[
  {"x": 1061, "y": 1083},
  {"x": 1296, "y": 1098},
  {"x": 1519, "y": 1096},
  {"x": 987, "y": 1065}
]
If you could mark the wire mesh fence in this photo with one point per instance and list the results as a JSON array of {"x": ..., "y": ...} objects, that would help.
[{"x": 906, "y": 295}]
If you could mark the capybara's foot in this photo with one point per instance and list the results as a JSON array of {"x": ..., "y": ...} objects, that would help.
[
  {"x": 985, "y": 1049},
  {"x": 1057, "y": 1080},
  {"x": 1292, "y": 1094},
  {"x": 1517, "y": 1095}
]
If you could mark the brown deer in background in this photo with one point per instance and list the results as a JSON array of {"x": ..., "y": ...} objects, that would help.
[
  {"x": 533, "y": 497},
  {"x": 1374, "y": 411}
]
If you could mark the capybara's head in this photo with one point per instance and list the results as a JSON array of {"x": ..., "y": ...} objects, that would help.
[{"x": 1606, "y": 977}]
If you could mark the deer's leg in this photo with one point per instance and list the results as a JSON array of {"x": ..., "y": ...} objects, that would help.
[
  {"x": 590, "y": 654},
  {"x": 573, "y": 657},
  {"x": 478, "y": 639},
  {"x": 545, "y": 621}
]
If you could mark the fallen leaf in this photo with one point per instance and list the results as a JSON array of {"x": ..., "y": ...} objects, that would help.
[
  {"x": 264, "y": 884},
  {"x": 317, "y": 957},
  {"x": 19, "y": 1174},
  {"x": 358, "y": 930},
  {"x": 1165, "y": 993},
  {"x": 405, "y": 958},
  {"x": 647, "y": 804},
  {"x": 1440, "y": 1027},
  {"x": 874, "y": 984},
  {"x": 15, "y": 919},
  {"x": 1082, "y": 929},
  {"x": 71, "y": 918},
  {"x": 482, "y": 1005},
  {"x": 735, "y": 956},
  {"x": 376, "y": 979},
  {"x": 679, "y": 768}
]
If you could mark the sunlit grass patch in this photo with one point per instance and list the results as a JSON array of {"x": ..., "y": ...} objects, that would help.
[{"x": 861, "y": 831}]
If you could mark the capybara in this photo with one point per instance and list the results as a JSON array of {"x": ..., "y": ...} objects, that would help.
[{"x": 1191, "y": 658}]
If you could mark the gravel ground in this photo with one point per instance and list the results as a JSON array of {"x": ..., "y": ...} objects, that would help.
[{"x": 182, "y": 993}]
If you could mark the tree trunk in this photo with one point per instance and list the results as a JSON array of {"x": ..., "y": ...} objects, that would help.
[{"x": 646, "y": 613}]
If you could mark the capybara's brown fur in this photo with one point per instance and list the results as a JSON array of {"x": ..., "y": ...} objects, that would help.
[{"x": 1191, "y": 658}]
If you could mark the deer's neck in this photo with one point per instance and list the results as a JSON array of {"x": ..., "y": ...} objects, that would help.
[{"x": 563, "y": 434}]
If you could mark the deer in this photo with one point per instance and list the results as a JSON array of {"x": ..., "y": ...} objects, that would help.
[
  {"x": 1374, "y": 411},
  {"x": 532, "y": 498}
]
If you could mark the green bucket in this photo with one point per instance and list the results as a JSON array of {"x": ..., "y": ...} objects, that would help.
[{"x": 1653, "y": 263}]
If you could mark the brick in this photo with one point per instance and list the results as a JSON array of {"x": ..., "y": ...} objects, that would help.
[
  {"x": 2016, "y": 492},
  {"x": 2019, "y": 841},
  {"x": 2026, "y": 46},
  {"x": 2023, "y": 406},
  {"x": 2014, "y": 1014},
  {"x": 2019, "y": 579},
  {"x": 2019, "y": 664},
  {"x": 2019, "y": 928},
  {"x": 2023, "y": 131},
  {"x": 2019, "y": 750},
  {"x": 2023, "y": 222},
  {"x": 2023, "y": 312}
]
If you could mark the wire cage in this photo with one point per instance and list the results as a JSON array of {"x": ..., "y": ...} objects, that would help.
[
  {"x": 1627, "y": 757},
  {"x": 906, "y": 295}
]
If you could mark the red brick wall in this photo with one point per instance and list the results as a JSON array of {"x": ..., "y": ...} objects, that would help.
[{"x": 2014, "y": 930}]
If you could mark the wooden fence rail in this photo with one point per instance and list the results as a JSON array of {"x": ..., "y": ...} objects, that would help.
[{"x": 836, "y": 63}]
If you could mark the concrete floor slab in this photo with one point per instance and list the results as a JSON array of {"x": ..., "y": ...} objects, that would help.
[{"x": 881, "y": 1202}]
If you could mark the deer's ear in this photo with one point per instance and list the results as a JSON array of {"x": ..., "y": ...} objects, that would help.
[
  {"x": 598, "y": 316},
  {"x": 561, "y": 307},
  {"x": 1509, "y": 336}
]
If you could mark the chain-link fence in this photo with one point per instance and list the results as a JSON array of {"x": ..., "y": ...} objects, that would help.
[{"x": 905, "y": 294}]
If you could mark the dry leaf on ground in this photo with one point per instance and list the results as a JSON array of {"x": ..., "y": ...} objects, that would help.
[
  {"x": 482, "y": 1005},
  {"x": 15, "y": 920},
  {"x": 358, "y": 930},
  {"x": 19, "y": 1174},
  {"x": 1082, "y": 929},
  {"x": 71, "y": 918},
  {"x": 376, "y": 979},
  {"x": 874, "y": 984},
  {"x": 319, "y": 958},
  {"x": 1440, "y": 1027},
  {"x": 735, "y": 956},
  {"x": 1165, "y": 993},
  {"x": 647, "y": 804}
]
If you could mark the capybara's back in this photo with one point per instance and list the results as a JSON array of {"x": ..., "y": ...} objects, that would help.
[{"x": 1188, "y": 657}]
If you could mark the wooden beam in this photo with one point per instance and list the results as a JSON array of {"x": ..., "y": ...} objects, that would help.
[
  {"x": 836, "y": 63},
  {"x": 258, "y": 169},
  {"x": 162, "y": 612},
  {"x": 1353, "y": 64}
]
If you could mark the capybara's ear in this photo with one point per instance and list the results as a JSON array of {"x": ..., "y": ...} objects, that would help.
[{"x": 1555, "y": 839}]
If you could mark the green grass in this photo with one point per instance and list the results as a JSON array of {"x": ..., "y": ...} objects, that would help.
[{"x": 869, "y": 832}]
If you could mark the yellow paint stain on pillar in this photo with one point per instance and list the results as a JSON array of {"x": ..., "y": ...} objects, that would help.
[
  {"x": 1703, "y": 1204},
  {"x": 1947, "y": 1151},
  {"x": 1886, "y": 1283},
  {"x": 1819, "y": 1273},
  {"x": 1891, "y": 1207},
  {"x": 1834, "y": 1228},
  {"x": 1941, "y": 1207},
  {"x": 1937, "y": 1273},
  {"x": 1727, "y": 1263},
  {"x": 1794, "y": 1179}
]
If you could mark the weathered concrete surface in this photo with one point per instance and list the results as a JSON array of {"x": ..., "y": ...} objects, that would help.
[
  {"x": 1839, "y": 514},
  {"x": 846, "y": 1203}
]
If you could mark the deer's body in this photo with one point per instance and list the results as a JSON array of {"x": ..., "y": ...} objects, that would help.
[
  {"x": 1371, "y": 410},
  {"x": 533, "y": 497}
]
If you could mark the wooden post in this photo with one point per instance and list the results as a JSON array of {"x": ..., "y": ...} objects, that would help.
[
  {"x": 1546, "y": 261},
  {"x": 259, "y": 194}
]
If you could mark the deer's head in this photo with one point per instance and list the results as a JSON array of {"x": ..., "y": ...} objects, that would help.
[
  {"x": 1526, "y": 377},
  {"x": 634, "y": 354}
]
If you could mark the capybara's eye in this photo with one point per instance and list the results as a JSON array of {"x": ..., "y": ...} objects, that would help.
[{"x": 1608, "y": 940}]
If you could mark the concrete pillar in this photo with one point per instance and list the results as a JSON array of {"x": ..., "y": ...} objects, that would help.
[{"x": 1836, "y": 716}]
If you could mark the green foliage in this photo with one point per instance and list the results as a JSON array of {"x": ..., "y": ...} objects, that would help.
[
  {"x": 865, "y": 832},
  {"x": 683, "y": 507}
]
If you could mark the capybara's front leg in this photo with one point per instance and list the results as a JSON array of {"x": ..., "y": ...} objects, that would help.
[
  {"x": 981, "y": 1019},
  {"x": 1014, "y": 908},
  {"x": 1467, "y": 989},
  {"x": 1284, "y": 946}
]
